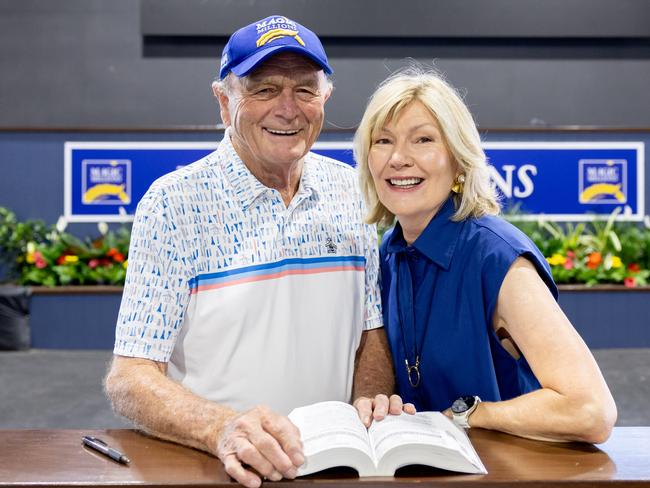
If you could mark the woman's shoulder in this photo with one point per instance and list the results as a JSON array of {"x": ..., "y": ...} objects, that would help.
[{"x": 491, "y": 231}]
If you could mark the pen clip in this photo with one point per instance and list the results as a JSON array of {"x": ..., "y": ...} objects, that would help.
[{"x": 97, "y": 440}]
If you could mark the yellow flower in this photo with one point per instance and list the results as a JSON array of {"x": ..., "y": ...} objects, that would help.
[
  {"x": 30, "y": 257},
  {"x": 556, "y": 259},
  {"x": 616, "y": 262},
  {"x": 71, "y": 259},
  {"x": 125, "y": 264}
]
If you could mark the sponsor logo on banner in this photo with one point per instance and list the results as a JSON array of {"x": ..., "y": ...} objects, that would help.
[
  {"x": 106, "y": 181},
  {"x": 603, "y": 180}
]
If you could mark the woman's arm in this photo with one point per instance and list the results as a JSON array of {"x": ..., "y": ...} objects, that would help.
[{"x": 574, "y": 402}]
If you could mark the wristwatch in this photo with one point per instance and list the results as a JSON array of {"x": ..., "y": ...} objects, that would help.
[{"x": 462, "y": 408}]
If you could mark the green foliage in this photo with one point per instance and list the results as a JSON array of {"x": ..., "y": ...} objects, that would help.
[
  {"x": 34, "y": 254},
  {"x": 14, "y": 236},
  {"x": 593, "y": 253}
]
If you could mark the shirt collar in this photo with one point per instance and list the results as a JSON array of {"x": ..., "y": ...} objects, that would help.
[
  {"x": 246, "y": 186},
  {"x": 438, "y": 240}
]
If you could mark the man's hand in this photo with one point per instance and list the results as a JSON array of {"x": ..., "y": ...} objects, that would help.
[
  {"x": 266, "y": 442},
  {"x": 376, "y": 409}
]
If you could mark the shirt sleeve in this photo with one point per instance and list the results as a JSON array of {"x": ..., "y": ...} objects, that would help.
[
  {"x": 156, "y": 291},
  {"x": 373, "y": 316},
  {"x": 500, "y": 252}
]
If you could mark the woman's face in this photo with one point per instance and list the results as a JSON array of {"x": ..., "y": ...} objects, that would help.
[{"x": 412, "y": 168}]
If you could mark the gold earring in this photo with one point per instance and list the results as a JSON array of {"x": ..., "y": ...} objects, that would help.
[{"x": 459, "y": 183}]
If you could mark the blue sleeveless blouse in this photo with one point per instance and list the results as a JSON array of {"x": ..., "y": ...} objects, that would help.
[{"x": 439, "y": 297}]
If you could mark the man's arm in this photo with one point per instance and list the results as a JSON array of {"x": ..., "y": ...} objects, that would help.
[
  {"x": 374, "y": 379},
  {"x": 269, "y": 443}
]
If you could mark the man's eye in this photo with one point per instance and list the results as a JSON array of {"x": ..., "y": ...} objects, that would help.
[{"x": 264, "y": 91}]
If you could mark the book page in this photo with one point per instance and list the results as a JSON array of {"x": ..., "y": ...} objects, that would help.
[
  {"x": 458, "y": 433},
  {"x": 330, "y": 425},
  {"x": 396, "y": 430}
]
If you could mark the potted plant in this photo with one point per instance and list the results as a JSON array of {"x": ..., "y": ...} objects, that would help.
[
  {"x": 75, "y": 284},
  {"x": 14, "y": 299}
]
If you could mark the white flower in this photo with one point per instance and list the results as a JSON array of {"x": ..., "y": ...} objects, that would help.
[
  {"x": 103, "y": 228},
  {"x": 646, "y": 221},
  {"x": 61, "y": 224}
]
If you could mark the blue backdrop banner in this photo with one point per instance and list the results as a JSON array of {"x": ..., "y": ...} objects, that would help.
[{"x": 104, "y": 181}]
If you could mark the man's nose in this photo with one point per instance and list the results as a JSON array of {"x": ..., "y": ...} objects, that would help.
[{"x": 287, "y": 105}]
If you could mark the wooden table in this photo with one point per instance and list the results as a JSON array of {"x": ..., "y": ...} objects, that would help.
[{"x": 56, "y": 458}]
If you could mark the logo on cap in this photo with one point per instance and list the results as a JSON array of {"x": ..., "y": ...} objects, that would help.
[
  {"x": 274, "y": 34},
  {"x": 276, "y": 28}
]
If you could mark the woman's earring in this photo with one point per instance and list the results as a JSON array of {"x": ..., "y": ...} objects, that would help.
[{"x": 459, "y": 183}]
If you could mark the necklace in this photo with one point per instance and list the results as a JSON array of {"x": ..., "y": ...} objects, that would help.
[{"x": 406, "y": 316}]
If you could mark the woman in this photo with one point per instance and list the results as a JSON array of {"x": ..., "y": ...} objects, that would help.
[{"x": 469, "y": 303}]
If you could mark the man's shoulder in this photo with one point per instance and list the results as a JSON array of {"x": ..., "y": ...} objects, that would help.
[
  {"x": 191, "y": 177},
  {"x": 330, "y": 164},
  {"x": 331, "y": 175}
]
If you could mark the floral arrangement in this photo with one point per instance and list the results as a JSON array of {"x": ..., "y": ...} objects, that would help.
[
  {"x": 35, "y": 254},
  {"x": 595, "y": 252},
  {"x": 590, "y": 253}
]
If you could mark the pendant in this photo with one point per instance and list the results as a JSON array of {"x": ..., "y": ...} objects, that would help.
[{"x": 413, "y": 372}]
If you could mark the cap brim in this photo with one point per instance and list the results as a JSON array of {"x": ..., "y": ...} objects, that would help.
[{"x": 250, "y": 63}]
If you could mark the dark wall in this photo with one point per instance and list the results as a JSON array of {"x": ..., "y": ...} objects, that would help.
[{"x": 123, "y": 63}]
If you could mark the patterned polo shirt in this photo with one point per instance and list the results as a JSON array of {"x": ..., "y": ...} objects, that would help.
[{"x": 248, "y": 300}]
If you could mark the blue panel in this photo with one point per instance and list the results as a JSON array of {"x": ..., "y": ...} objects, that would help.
[
  {"x": 74, "y": 321},
  {"x": 609, "y": 319},
  {"x": 569, "y": 183}
]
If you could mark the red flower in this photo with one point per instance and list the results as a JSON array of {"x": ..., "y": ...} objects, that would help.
[
  {"x": 568, "y": 264},
  {"x": 93, "y": 263},
  {"x": 39, "y": 261},
  {"x": 630, "y": 282},
  {"x": 118, "y": 257},
  {"x": 594, "y": 259},
  {"x": 570, "y": 254},
  {"x": 111, "y": 252},
  {"x": 634, "y": 268}
]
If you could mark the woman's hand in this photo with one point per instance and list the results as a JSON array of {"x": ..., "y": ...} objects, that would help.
[{"x": 377, "y": 408}]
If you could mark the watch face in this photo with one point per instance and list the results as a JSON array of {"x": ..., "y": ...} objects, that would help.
[{"x": 463, "y": 404}]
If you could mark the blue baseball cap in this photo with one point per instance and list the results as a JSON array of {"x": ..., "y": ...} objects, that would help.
[{"x": 251, "y": 45}]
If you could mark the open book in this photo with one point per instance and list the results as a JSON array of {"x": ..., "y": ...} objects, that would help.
[{"x": 333, "y": 435}]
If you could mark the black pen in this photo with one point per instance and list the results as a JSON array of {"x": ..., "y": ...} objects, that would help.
[{"x": 100, "y": 446}]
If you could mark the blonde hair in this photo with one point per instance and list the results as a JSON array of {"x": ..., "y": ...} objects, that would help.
[{"x": 459, "y": 132}]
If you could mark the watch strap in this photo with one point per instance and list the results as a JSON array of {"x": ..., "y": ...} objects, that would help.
[{"x": 462, "y": 419}]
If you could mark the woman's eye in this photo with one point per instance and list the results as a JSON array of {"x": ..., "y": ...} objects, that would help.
[
  {"x": 381, "y": 140},
  {"x": 425, "y": 139}
]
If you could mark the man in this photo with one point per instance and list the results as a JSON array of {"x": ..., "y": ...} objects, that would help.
[{"x": 252, "y": 281}]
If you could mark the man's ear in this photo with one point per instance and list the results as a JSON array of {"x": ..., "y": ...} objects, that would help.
[
  {"x": 223, "y": 100},
  {"x": 328, "y": 92}
]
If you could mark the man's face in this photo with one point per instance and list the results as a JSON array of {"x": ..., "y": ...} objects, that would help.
[{"x": 276, "y": 113}]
